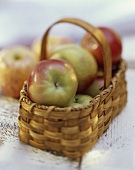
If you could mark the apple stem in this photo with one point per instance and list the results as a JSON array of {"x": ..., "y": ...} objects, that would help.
[
  {"x": 17, "y": 57},
  {"x": 56, "y": 84}
]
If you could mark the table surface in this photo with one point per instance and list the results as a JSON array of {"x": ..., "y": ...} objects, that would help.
[{"x": 115, "y": 150}]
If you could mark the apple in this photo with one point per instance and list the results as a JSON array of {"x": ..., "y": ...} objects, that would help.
[
  {"x": 80, "y": 100},
  {"x": 94, "y": 88},
  {"x": 16, "y": 62},
  {"x": 114, "y": 41},
  {"x": 81, "y": 60},
  {"x": 100, "y": 73},
  {"x": 53, "y": 43},
  {"x": 52, "y": 82}
]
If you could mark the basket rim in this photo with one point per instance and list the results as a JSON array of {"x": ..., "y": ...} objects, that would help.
[{"x": 104, "y": 92}]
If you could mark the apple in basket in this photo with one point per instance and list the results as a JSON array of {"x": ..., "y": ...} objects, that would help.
[
  {"x": 16, "y": 62},
  {"x": 82, "y": 61},
  {"x": 53, "y": 43},
  {"x": 52, "y": 82},
  {"x": 80, "y": 100},
  {"x": 114, "y": 41},
  {"x": 95, "y": 87}
]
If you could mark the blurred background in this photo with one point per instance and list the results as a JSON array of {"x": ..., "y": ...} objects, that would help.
[{"x": 21, "y": 21}]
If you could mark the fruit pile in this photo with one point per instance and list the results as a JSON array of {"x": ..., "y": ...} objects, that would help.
[{"x": 71, "y": 75}]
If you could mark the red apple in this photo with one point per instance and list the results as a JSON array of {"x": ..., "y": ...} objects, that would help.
[
  {"x": 16, "y": 63},
  {"x": 52, "y": 82},
  {"x": 82, "y": 61},
  {"x": 114, "y": 41},
  {"x": 53, "y": 43}
]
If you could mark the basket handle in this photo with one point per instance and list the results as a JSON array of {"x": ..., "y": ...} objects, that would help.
[{"x": 97, "y": 34}]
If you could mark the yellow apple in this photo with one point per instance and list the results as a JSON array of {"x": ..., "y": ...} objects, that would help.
[
  {"x": 53, "y": 43},
  {"x": 16, "y": 63}
]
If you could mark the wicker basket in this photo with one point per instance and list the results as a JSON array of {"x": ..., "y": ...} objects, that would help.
[{"x": 74, "y": 131}]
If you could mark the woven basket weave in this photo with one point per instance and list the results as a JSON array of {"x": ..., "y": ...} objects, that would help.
[{"x": 74, "y": 131}]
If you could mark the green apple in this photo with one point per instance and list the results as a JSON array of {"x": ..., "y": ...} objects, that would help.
[
  {"x": 52, "y": 82},
  {"x": 16, "y": 62},
  {"x": 83, "y": 62},
  {"x": 80, "y": 100},
  {"x": 94, "y": 88}
]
